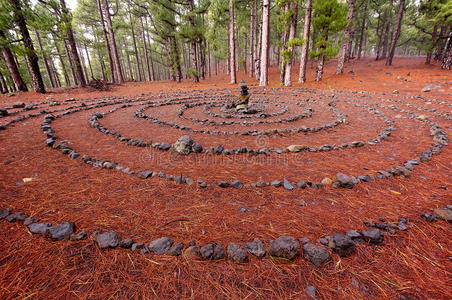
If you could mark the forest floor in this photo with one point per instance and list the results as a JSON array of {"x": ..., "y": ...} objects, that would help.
[{"x": 412, "y": 264}]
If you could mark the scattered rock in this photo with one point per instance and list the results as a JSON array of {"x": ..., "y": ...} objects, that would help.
[
  {"x": 285, "y": 247},
  {"x": 137, "y": 246},
  {"x": 164, "y": 146},
  {"x": 353, "y": 234},
  {"x": 212, "y": 252},
  {"x": 297, "y": 148},
  {"x": 126, "y": 243},
  {"x": 237, "y": 184},
  {"x": 426, "y": 89},
  {"x": 197, "y": 148},
  {"x": 223, "y": 184},
  {"x": 176, "y": 249},
  {"x": 39, "y": 228},
  {"x": 428, "y": 217},
  {"x": 395, "y": 92},
  {"x": 288, "y": 185},
  {"x": 256, "y": 248},
  {"x": 79, "y": 236},
  {"x": 61, "y": 231},
  {"x": 236, "y": 253},
  {"x": 16, "y": 217},
  {"x": 443, "y": 214},
  {"x": 304, "y": 240},
  {"x": 344, "y": 245},
  {"x": 219, "y": 149},
  {"x": 326, "y": 181},
  {"x": 30, "y": 220},
  {"x": 4, "y": 213},
  {"x": 191, "y": 252},
  {"x": 3, "y": 112},
  {"x": 183, "y": 145},
  {"x": 302, "y": 184},
  {"x": 316, "y": 254},
  {"x": 372, "y": 235},
  {"x": 145, "y": 174},
  {"x": 107, "y": 240},
  {"x": 18, "y": 105},
  {"x": 276, "y": 183},
  {"x": 160, "y": 245},
  {"x": 344, "y": 181}
]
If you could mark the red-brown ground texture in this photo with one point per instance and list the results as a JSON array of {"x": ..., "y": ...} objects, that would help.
[{"x": 413, "y": 264}]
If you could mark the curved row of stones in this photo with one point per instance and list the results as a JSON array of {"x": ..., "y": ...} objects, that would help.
[
  {"x": 235, "y": 115},
  {"x": 340, "y": 180},
  {"x": 284, "y": 247}
]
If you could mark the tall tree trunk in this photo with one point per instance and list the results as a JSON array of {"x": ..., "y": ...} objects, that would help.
[
  {"x": 349, "y": 53},
  {"x": 263, "y": 80},
  {"x": 145, "y": 50},
  {"x": 292, "y": 34},
  {"x": 252, "y": 37},
  {"x": 128, "y": 58},
  {"x": 231, "y": 43},
  {"x": 363, "y": 28},
  {"x": 82, "y": 61},
  {"x": 387, "y": 30},
  {"x": 257, "y": 63},
  {"x": 56, "y": 76},
  {"x": 135, "y": 47},
  {"x": 348, "y": 36},
  {"x": 175, "y": 59},
  {"x": 3, "y": 86},
  {"x": 101, "y": 60},
  {"x": 441, "y": 43},
  {"x": 447, "y": 58},
  {"x": 396, "y": 33},
  {"x": 71, "y": 63},
  {"x": 32, "y": 58},
  {"x": 89, "y": 62},
  {"x": 194, "y": 55},
  {"x": 71, "y": 41},
  {"x": 107, "y": 43},
  {"x": 150, "y": 52},
  {"x": 12, "y": 66},
  {"x": 284, "y": 38},
  {"x": 305, "y": 47},
  {"x": 44, "y": 58},
  {"x": 428, "y": 59},
  {"x": 113, "y": 47},
  {"x": 321, "y": 62},
  {"x": 63, "y": 65},
  {"x": 379, "y": 33}
]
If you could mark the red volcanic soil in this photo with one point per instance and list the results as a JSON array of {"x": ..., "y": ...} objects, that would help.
[{"x": 413, "y": 264}]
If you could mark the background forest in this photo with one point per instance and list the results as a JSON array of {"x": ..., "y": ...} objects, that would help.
[{"x": 45, "y": 45}]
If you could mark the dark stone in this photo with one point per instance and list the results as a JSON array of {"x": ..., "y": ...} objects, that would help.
[
  {"x": 79, "y": 236},
  {"x": 176, "y": 249},
  {"x": 164, "y": 146},
  {"x": 237, "y": 184},
  {"x": 302, "y": 184},
  {"x": 276, "y": 183},
  {"x": 197, "y": 148},
  {"x": 236, "y": 253},
  {"x": 30, "y": 220},
  {"x": 316, "y": 254},
  {"x": 18, "y": 105},
  {"x": 285, "y": 247},
  {"x": 179, "y": 179},
  {"x": 304, "y": 240},
  {"x": 145, "y": 174},
  {"x": 353, "y": 234},
  {"x": 428, "y": 217},
  {"x": 74, "y": 155},
  {"x": 39, "y": 228},
  {"x": 3, "y": 112},
  {"x": 219, "y": 149},
  {"x": 107, "y": 240},
  {"x": 126, "y": 243},
  {"x": 191, "y": 252},
  {"x": 372, "y": 235},
  {"x": 16, "y": 217},
  {"x": 4, "y": 213},
  {"x": 136, "y": 246},
  {"x": 256, "y": 248},
  {"x": 288, "y": 185},
  {"x": 223, "y": 184},
  {"x": 345, "y": 181},
  {"x": 160, "y": 245},
  {"x": 61, "y": 231},
  {"x": 212, "y": 252},
  {"x": 343, "y": 245}
]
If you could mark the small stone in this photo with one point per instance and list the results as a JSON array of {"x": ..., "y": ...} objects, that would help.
[
  {"x": 326, "y": 181},
  {"x": 219, "y": 149},
  {"x": 136, "y": 246},
  {"x": 372, "y": 235},
  {"x": 107, "y": 240},
  {"x": 176, "y": 249},
  {"x": 61, "y": 231},
  {"x": 3, "y": 112},
  {"x": 285, "y": 247},
  {"x": 395, "y": 92},
  {"x": 428, "y": 217},
  {"x": 16, "y": 217},
  {"x": 311, "y": 291},
  {"x": 256, "y": 248},
  {"x": 4, "y": 213},
  {"x": 302, "y": 184},
  {"x": 343, "y": 245},
  {"x": 324, "y": 241},
  {"x": 426, "y": 89},
  {"x": 223, "y": 184},
  {"x": 276, "y": 183},
  {"x": 164, "y": 146},
  {"x": 297, "y": 148},
  {"x": 236, "y": 253},
  {"x": 39, "y": 228},
  {"x": 143, "y": 250},
  {"x": 160, "y": 245},
  {"x": 145, "y": 174},
  {"x": 345, "y": 181},
  {"x": 304, "y": 240},
  {"x": 183, "y": 145},
  {"x": 443, "y": 214},
  {"x": 316, "y": 254},
  {"x": 402, "y": 226},
  {"x": 18, "y": 105},
  {"x": 30, "y": 220},
  {"x": 212, "y": 252},
  {"x": 353, "y": 234},
  {"x": 79, "y": 236},
  {"x": 237, "y": 184},
  {"x": 191, "y": 252},
  {"x": 126, "y": 243},
  {"x": 288, "y": 185},
  {"x": 197, "y": 148}
]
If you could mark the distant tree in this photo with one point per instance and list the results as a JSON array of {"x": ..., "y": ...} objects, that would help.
[
  {"x": 348, "y": 33},
  {"x": 396, "y": 33},
  {"x": 231, "y": 43},
  {"x": 305, "y": 47},
  {"x": 265, "y": 43}
]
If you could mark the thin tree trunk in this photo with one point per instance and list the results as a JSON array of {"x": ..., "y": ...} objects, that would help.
[
  {"x": 305, "y": 47},
  {"x": 379, "y": 33},
  {"x": 292, "y": 34},
  {"x": 101, "y": 61},
  {"x": 145, "y": 50},
  {"x": 447, "y": 58},
  {"x": 257, "y": 63},
  {"x": 71, "y": 63},
  {"x": 263, "y": 80},
  {"x": 284, "y": 38},
  {"x": 396, "y": 33},
  {"x": 428, "y": 59},
  {"x": 107, "y": 43},
  {"x": 252, "y": 24},
  {"x": 71, "y": 41},
  {"x": 387, "y": 30},
  {"x": 32, "y": 58},
  {"x": 12, "y": 66},
  {"x": 113, "y": 47},
  {"x": 63, "y": 65},
  {"x": 348, "y": 36},
  {"x": 321, "y": 62},
  {"x": 44, "y": 58},
  {"x": 135, "y": 47},
  {"x": 231, "y": 43},
  {"x": 89, "y": 62},
  {"x": 194, "y": 55},
  {"x": 349, "y": 53},
  {"x": 4, "y": 87},
  {"x": 363, "y": 28}
]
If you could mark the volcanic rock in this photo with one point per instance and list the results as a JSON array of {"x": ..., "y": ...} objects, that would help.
[
  {"x": 39, "y": 228},
  {"x": 236, "y": 253},
  {"x": 107, "y": 240},
  {"x": 316, "y": 254},
  {"x": 285, "y": 247},
  {"x": 160, "y": 245},
  {"x": 60, "y": 231},
  {"x": 256, "y": 248}
]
